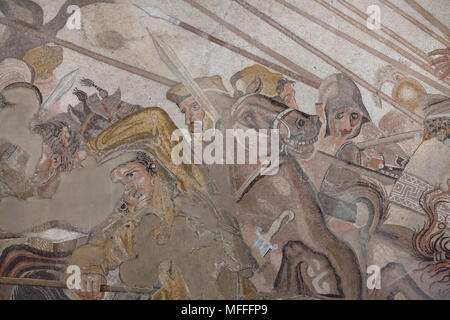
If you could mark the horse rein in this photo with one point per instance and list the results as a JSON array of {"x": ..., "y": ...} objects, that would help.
[
  {"x": 276, "y": 122},
  {"x": 279, "y": 120}
]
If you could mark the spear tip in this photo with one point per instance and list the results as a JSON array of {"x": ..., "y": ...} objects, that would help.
[{"x": 155, "y": 12}]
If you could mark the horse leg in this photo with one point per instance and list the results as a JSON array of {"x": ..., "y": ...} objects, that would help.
[
  {"x": 395, "y": 280},
  {"x": 288, "y": 281},
  {"x": 316, "y": 236},
  {"x": 306, "y": 272}
]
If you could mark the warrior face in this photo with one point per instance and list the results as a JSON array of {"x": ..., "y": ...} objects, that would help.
[
  {"x": 193, "y": 114},
  {"x": 138, "y": 182},
  {"x": 345, "y": 123},
  {"x": 61, "y": 152},
  {"x": 343, "y": 105},
  {"x": 46, "y": 176},
  {"x": 287, "y": 95}
]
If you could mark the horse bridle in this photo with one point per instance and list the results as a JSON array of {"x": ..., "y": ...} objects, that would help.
[{"x": 279, "y": 119}]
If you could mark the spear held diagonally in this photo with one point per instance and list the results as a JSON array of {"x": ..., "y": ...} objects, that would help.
[
  {"x": 157, "y": 13},
  {"x": 91, "y": 54},
  {"x": 62, "y": 285},
  {"x": 390, "y": 139},
  {"x": 393, "y": 35},
  {"x": 416, "y": 22},
  {"x": 385, "y": 30},
  {"x": 444, "y": 89},
  {"x": 315, "y": 80},
  {"x": 429, "y": 17},
  {"x": 356, "y": 168},
  {"x": 422, "y": 64},
  {"x": 329, "y": 60},
  {"x": 169, "y": 57}
]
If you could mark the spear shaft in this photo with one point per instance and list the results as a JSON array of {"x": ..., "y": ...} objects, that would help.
[
  {"x": 156, "y": 13},
  {"x": 312, "y": 78},
  {"x": 328, "y": 60},
  {"x": 429, "y": 17},
  {"x": 385, "y": 30},
  {"x": 376, "y": 36},
  {"x": 69, "y": 45},
  {"x": 415, "y": 22},
  {"x": 62, "y": 285},
  {"x": 390, "y": 139},
  {"x": 355, "y": 168},
  {"x": 374, "y": 52}
]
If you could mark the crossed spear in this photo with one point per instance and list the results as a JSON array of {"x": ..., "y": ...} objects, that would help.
[
  {"x": 62, "y": 285},
  {"x": 299, "y": 73},
  {"x": 296, "y": 72}
]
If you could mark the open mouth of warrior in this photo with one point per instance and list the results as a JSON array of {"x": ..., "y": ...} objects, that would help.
[{"x": 301, "y": 147}]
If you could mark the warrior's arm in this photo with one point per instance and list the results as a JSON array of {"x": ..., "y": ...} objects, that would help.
[
  {"x": 89, "y": 83},
  {"x": 105, "y": 251},
  {"x": 90, "y": 258}
]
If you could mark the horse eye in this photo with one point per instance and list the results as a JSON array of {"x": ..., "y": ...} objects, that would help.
[
  {"x": 340, "y": 115},
  {"x": 123, "y": 207},
  {"x": 300, "y": 123},
  {"x": 130, "y": 175}
]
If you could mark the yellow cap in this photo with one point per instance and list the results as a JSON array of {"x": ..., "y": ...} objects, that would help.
[
  {"x": 406, "y": 92},
  {"x": 179, "y": 92},
  {"x": 154, "y": 126},
  {"x": 250, "y": 74},
  {"x": 44, "y": 60}
]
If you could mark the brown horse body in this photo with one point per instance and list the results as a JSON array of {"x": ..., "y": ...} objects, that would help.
[
  {"x": 310, "y": 259},
  {"x": 328, "y": 267}
]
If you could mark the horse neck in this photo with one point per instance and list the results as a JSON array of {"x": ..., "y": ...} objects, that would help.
[{"x": 267, "y": 112}]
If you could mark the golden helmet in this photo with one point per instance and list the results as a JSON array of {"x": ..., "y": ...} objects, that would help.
[
  {"x": 44, "y": 60},
  {"x": 242, "y": 79},
  {"x": 406, "y": 92},
  {"x": 179, "y": 92}
]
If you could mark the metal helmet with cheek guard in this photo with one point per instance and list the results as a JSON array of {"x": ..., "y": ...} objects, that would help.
[{"x": 337, "y": 92}]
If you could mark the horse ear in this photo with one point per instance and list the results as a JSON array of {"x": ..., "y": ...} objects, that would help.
[{"x": 255, "y": 87}]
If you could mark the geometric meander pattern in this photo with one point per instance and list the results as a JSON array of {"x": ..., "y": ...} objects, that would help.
[{"x": 408, "y": 190}]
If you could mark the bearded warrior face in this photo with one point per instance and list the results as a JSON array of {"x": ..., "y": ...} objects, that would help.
[
  {"x": 137, "y": 177},
  {"x": 61, "y": 152}
]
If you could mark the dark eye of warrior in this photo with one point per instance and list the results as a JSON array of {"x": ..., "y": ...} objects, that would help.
[
  {"x": 355, "y": 116},
  {"x": 123, "y": 207},
  {"x": 195, "y": 106},
  {"x": 340, "y": 115},
  {"x": 300, "y": 123}
]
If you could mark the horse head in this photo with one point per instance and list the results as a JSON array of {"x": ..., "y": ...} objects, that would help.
[{"x": 298, "y": 130}]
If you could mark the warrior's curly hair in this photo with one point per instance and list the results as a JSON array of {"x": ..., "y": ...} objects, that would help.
[
  {"x": 282, "y": 83},
  {"x": 146, "y": 161},
  {"x": 431, "y": 246},
  {"x": 52, "y": 131}
]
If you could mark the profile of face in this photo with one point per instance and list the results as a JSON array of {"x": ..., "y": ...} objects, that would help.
[
  {"x": 288, "y": 96},
  {"x": 47, "y": 172},
  {"x": 345, "y": 123},
  {"x": 138, "y": 183},
  {"x": 192, "y": 114}
]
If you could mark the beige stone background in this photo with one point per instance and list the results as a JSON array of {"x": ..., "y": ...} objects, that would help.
[{"x": 87, "y": 197}]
